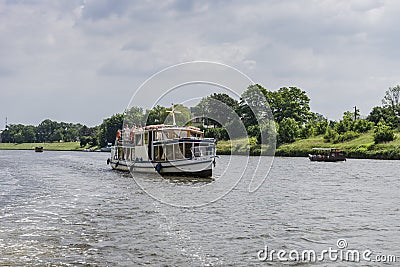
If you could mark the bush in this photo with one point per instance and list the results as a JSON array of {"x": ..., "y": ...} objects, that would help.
[
  {"x": 320, "y": 128},
  {"x": 383, "y": 133},
  {"x": 84, "y": 140},
  {"x": 254, "y": 131},
  {"x": 307, "y": 130},
  {"x": 346, "y": 137},
  {"x": 362, "y": 126},
  {"x": 330, "y": 135}
]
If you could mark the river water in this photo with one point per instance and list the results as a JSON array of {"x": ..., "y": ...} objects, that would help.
[{"x": 70, "y": 209}]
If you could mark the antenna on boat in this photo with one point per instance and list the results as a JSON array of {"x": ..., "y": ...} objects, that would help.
[{"x": 172, "y": 112}]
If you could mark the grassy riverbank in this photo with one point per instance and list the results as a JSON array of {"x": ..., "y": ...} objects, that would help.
[
  {"x": 361, "y": 147},
  {"x": 63, "y": 146}
]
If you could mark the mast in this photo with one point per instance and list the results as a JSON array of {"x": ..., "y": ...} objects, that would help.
[{"x": 172, "y": 112}]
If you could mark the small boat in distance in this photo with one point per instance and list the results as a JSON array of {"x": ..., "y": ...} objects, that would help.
[
  {"x": 38, "y": 149},
  {"x": 327, "y": 155}
]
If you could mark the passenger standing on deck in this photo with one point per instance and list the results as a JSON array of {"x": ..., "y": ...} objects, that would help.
[{"x": 127, "y": 133}]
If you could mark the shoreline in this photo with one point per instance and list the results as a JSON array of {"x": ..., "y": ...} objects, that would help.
[{"x": 393, "y": 154}]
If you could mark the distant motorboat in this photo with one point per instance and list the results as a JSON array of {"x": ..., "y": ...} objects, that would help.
[
  {"x": 327, "y": 155},
  {"x": 39, "y": 149}
]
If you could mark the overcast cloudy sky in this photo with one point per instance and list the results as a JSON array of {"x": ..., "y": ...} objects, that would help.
[{"x": 81, "y": 61}]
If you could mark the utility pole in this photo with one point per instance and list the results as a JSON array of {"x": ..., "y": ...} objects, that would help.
[{"x": 355, "y": 113}]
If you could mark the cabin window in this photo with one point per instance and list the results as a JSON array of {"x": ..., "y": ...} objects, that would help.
[
  {"x": 156, "y": 153},
  {"x": 157, "y": 135},
  {"x": 178, "y": 148},
  {"x": 196, "y": 150},
  {"x": 159, "y": 153},
  {"x": 188, "y": 150},
  {"x": 209, "y": 150},
  {"x": 138, "y": 139},
  {"x": 203, "y": 149},
  {"x": 181, "y": 150},
  {"x": 169, "y": 151}
]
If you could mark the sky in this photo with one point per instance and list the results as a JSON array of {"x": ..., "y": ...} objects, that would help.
[{"x": 82, "y": 61}]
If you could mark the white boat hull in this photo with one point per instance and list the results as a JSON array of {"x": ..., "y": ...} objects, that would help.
[{"x": 189, "y": 167}]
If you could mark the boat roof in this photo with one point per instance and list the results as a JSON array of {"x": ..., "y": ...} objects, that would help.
[{"x": 161, "y": 127}]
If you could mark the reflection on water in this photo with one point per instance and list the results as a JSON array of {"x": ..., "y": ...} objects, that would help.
[{"x": 69, "y": 208}]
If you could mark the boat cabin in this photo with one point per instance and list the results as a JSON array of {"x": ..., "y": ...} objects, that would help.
[
  {"x": 327, "y": 154},
  {"x": 160, "y": 143}
]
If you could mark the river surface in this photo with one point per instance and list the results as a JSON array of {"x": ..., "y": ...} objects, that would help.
[{"x": 70, "y": 209}]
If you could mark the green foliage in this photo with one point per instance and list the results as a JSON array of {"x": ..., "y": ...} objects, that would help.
[
  {"x": 384, "y": 113},
  {"x": 391, "y": 99},
  {"x": 217, "y": 133},
  {"x": 134, "y": 116},
  {"x": 349, "y": 135},
  {"x": 289, "y": 102},
  {"x": 46, "y": 131},
  {"x": 307, "y": 130},
  {"x": 383, "y": 133},
  {"x": 156, "y": 115},
  {"x": 252, "y": 107},
  {"x": 345, "y": 124},
  {"x": 182, "y": 115},
  {"x": 254, "y": 131},
  {"x": 288, "y": 130},
  {"x": 330, "y": 135},
  {"x": 362, "y": 126},
  {"x": 84, "y": 140},
  {"x": 320, "y": 127},
  {"x": 212, "y": 109},
  {"x": 108, "y": 129}
]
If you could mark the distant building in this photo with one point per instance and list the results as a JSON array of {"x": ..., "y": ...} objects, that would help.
[{"x": 1, "y": 136}]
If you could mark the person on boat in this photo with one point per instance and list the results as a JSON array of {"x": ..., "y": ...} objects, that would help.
[
  {"x": 127, "y": 132},
  {"x": 118, "y": 136},
  {"x": 132, "y": 133}
]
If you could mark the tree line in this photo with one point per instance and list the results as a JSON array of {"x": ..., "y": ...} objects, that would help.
[{"x": 289, "y": 108}]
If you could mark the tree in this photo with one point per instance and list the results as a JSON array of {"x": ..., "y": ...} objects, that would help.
[
  {"x": 156, "y": 115},
  {"x": 108, "y": 129},
  {"x": 345, "y": 124},
  {"x": 320, "y": 127},
  {"x": 57, "y": 135},
  {"x": 392, "y": 99},
  {"x": 134, "y": 116},
  {"x": 288, "y": 130},
  {"x": 384, "y": 113},
  {"x": 182, "y": 115},
  {"x": 253, "y": 106},
  {"x": 29, "y": 134},
  {"x": 289, "y": 102},
  {"x": 45, "y": 129},
  {"x": 211, "y": 109}
]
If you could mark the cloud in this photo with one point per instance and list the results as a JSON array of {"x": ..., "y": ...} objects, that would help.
[{"x": 342, "y": 52}]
